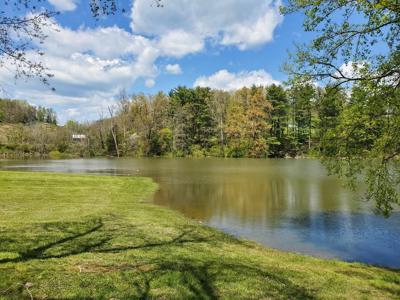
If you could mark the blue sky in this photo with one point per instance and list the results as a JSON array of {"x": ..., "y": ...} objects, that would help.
[{"x": 222, "y": 44}]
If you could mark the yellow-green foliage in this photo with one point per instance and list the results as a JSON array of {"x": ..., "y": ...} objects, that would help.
[
  {"x": 5, "y": 129},
  {"x": 97, "y": 237},
  {"x": 55, "y": 154}
]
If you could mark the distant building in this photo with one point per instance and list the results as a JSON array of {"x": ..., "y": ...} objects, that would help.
[{"x": 78, "y": 137}]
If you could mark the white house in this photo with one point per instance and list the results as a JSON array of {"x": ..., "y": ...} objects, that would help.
[{"x": 78, "y": 137}]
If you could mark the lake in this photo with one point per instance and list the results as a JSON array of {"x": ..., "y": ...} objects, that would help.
[{"x": 286, "y": 204}]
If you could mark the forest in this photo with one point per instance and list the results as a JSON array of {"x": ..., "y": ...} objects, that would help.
[
  {"x": 251, "y": 122},
  {"x": 18, "y": 111},
  {"x": 256, "y": 122}
]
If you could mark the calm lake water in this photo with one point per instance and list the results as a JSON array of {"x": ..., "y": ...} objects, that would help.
[{"x": 286, "y": 204}]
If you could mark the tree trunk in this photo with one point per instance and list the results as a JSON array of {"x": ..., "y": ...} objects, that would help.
[
  {"x": 115, "y": 139},
  {"x": 309, "y": 131},
  {"x": 113, "y": 133},
  {"x": 222, "y": 137}
]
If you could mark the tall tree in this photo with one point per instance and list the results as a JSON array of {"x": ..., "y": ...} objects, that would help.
[
  {"x": 181, "y": 118},
  {"x": 219, "y": 105},
  {"x": 258, "y": 121},
  {"x": 160, "y": 135},
  {"x": 330, "y": 103},
  {"x": 192, "y": 106},
  {"x": 234, "y": 130},
  {"x": 114, "y": 129},
  {"x": 365, "y": 141},
  {"x": 303, "y": 97},
  {"x": 280, "y": 120},
  {"x": 248, "y": 130},
  {"x": 358, "y": 42}
]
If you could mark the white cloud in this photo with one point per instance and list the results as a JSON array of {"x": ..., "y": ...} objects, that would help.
[
  {"x": 104, "y": 42},
  {"x": 351, "y": 69},
  {"x": 72, "y": 112},
  {"x": 173, "y": 69},
  {"x": 224, "y": 80},
  {"x": 64, "y": 5},
  {"x": 90, "y": 67},
  {"x": 78, "y": 106},
  {"x": 150, "y": 83},
  {"x": 257, "y": 33},
  {"x": 179, "y": 43},
  {"x": 242, "y": 23}
]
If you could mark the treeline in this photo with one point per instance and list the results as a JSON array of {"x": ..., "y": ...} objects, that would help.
[
  {"x": 255, "y": 122},
  {"x": 18, "y": 111},
  {"x": 26, "y": 130}
]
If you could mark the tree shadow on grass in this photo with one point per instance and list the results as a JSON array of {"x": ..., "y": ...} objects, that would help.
[
  {"x": 203, "y": 279},
  {"x": 92, "y": 236},
  {"x": 65, "y": 245},
  {"x": 197, "y": 277},
  {"x": 189, "y": 275}
]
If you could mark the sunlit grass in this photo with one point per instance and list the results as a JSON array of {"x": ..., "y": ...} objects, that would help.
[{"x": 97, "y": 237}]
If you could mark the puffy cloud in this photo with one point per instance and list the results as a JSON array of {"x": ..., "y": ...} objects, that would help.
[
  {"x": 179, "y": 43},
  {"x": 81, "y": 107},
  {"x": 351, "y": 69},
  {"x": 173, "y": 69},
  {"x": 243, "y": 23},
  {"x": 90, "y": 67},
  {"x": 72, "y": 112},
  {"x": 104, "y": 42},
  {"x": 257, "y": 33},
  {"x": 150, "y": 82},
  {"x": 227, "y": 81},
  {"x": 64, "y": 5}
]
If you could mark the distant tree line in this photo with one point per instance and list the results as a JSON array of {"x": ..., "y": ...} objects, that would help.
[
  {"x": 256, "y": 122},
  {"x": 253, "y": 122},
  {"x": 18, "y": 111}
]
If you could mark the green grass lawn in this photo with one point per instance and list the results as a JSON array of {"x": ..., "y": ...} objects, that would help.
[{"x": 97, "y": 237}]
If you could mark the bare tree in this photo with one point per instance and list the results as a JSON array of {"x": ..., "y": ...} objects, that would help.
[
  {"x": 100, "y": 123},
  {"x": 113, "y": 128},
  {"x": 21, "y": 28},
  {"x": 123, "y": 117}
]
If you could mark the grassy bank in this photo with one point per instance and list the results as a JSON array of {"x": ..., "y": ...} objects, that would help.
[{"x": 92, "y": 237}]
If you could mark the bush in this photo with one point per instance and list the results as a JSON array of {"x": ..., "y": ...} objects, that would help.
[
  {"x": 55, "y": 154},
  {"x": 3, "y": 149},
  {"x": 215, "y": 151},
  {"x": 196, "y": 151}
]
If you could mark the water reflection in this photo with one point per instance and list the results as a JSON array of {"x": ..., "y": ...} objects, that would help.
[{"x": 287, "y": 204}]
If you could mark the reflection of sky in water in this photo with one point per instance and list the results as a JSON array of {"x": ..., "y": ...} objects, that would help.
[
  {"x": 285, "y": 204},
  {"x": 353, "y": 237}
]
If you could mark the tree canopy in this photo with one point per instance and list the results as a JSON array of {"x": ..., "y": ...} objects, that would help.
[
  {"x": 357, "y": 46},
  {"x": 356, "y": 41}
]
